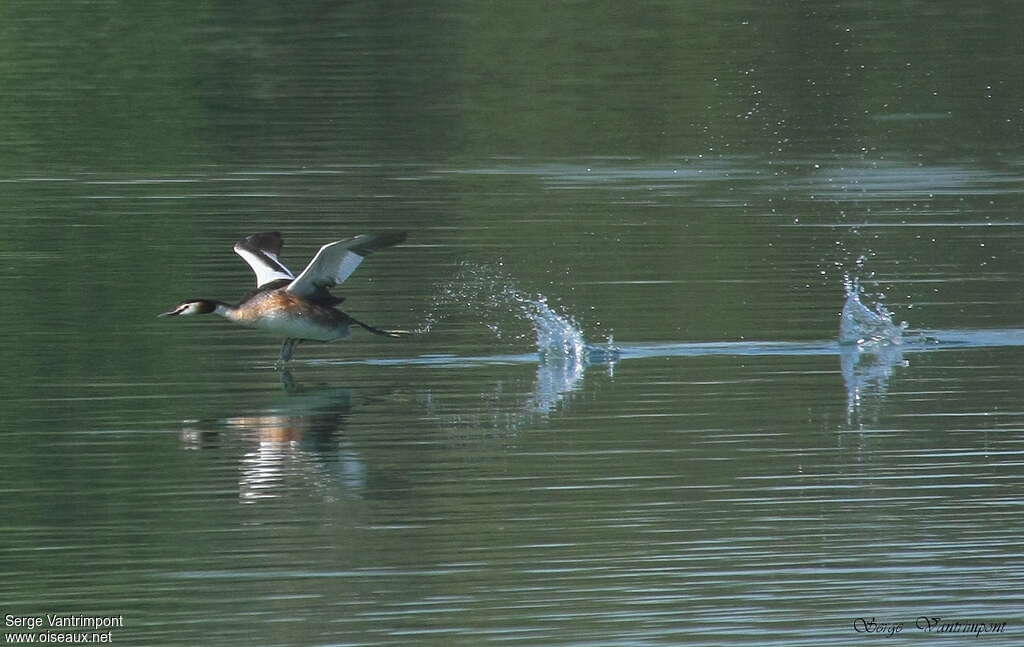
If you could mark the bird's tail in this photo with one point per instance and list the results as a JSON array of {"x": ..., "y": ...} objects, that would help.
[{"x": 394, "y": 334}]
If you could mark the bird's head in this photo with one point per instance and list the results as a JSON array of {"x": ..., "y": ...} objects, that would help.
[{"x": 191, "y": 307}]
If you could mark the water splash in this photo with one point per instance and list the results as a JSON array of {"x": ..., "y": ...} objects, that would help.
[
  {"x": 871, "y": 348},
  {"x": 502, "y": 306},
  {"x": 559, "y": 337},
  {"x": 496, "y": 301},
  {"x": 864, "y": 327}
]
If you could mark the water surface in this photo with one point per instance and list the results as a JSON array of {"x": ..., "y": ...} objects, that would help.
[{"x": 627, "y": 417}]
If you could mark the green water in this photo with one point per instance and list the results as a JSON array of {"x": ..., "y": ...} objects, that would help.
[{"x": 667, "y": 174}]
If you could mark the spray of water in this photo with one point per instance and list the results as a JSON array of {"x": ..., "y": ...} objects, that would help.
[
  {"x": 871, "y": 349},
  {"x": 862, "y": 326},
  {"x": 501, "y": 305},
  {"x": 495, "y": 300}
]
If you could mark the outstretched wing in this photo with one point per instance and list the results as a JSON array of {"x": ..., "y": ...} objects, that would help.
[
  {"x": 336, "y": 261},
  {"x": 260, "y": 251}
]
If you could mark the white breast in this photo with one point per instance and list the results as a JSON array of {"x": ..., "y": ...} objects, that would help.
[{"x": 301, "y": 328}]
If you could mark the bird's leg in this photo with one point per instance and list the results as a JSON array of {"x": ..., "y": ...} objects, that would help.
[
  {"x": 287, "y": 381},
  {"x": 287, "y": 348}
]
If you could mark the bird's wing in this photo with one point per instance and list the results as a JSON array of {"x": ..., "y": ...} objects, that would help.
[
  {"x": 260, "y": 252},
  {"x": 336, "y": 261}
]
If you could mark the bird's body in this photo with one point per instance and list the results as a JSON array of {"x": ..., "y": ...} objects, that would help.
[
  {"x": 296, "y": 308},
  {"x": 279, "y": 311}
]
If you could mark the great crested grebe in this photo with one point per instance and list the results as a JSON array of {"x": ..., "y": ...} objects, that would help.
[{"x": 301, "y": 307}]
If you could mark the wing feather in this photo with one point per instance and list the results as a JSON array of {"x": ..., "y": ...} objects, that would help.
[
  {"x": 336, "y": 261},
  {"x": 260, "y": 251}
]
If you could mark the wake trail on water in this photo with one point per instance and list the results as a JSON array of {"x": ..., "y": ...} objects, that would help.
[{"x": 867, "y": 335}]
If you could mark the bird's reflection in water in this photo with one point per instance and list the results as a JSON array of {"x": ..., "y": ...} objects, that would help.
[
  {"x": 866, "y": 374},
  {"x": 297, "y": 444}
]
